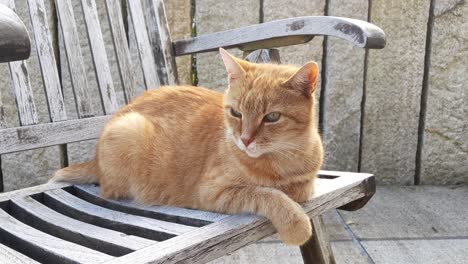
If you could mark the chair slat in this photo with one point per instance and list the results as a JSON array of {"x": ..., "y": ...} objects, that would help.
[
  {"x": 173, "y": 214},
  {"x": 114, "y": 13},
  {"x": 44, "y": 135},
  {"x": 2, "y": 120},
  {"x": 68, "y": 204},
  {"x": 32, "y": 190},
  {"x": 144, "y": 47},
  {"x": 98, "y": 51},
  {"x": 8, "y": 255},
  {"x": 47, "y": 220},
  {"x": 161, "y": 41},
  {"x": 324, "y": 186},
  {"x": 47, "y": 60},
  {"x": 23, "y": 92},
  {"x": 44, "y": 247},
  {"x": 76, "y": 66},
  {"x": 22, "y": 86}
]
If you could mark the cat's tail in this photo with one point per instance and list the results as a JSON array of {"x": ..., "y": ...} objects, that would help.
[{"x": 79, "y": 173}]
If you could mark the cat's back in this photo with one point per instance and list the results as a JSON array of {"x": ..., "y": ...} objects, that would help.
[
  {"x": 176, "y": 102},
  {"x": 186, "y": 114}
]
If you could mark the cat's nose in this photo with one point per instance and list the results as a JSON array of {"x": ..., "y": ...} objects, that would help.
[{"x": 247, "y": 140}]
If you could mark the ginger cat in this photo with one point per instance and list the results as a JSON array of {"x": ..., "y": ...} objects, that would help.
[{"x": 253, "y": 149}]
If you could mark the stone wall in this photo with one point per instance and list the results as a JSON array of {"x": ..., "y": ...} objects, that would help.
[
  {"x": 399, "y": 113},
  {"x": 393, "y": 91},
  {"x": 444, "y": 157}
]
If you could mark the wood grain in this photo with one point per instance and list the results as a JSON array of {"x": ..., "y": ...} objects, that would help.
[
  {"x": 22, "y": 86},
  {"x": 8, "y": 255},
  {"x": 44, "y": 247},
  {"x": 41, "y": 217},
  {"x": 32, "y": 190},
  {"x": 145, "y": 227},
  {"x": 76, "y": 67},
  {"x": 161, "y": 42},
  {"x": 23, "y": 93},
  {"x": 172, "y": 214},
  {"x": 50, "y": 134},
  {"x": 99, "y": 54},
  {"x": 119, "y": 37},
  {"x": 318, "y": 249},
  {"x": 285, "y": 32},
  {"x": 144, "y": 47},
  {"x": 45, "y": 53}
]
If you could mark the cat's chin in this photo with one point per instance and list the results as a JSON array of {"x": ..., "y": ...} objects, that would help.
[{"x": 252, "y": 154}]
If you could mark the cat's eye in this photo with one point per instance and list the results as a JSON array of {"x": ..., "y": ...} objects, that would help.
[
  {"x": 235, "y": 113},
  {"x": 272, "y": 117}
]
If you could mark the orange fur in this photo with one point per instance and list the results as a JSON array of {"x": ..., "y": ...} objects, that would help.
[{"x": 181, "y": 146}]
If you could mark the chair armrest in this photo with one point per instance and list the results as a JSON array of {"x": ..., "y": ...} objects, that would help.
[
  {"x": 286, "y": 32},
  {"x": 14, "y": 38}
]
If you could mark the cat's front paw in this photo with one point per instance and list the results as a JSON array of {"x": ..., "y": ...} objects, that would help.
[{"x": 297, "y": 231}]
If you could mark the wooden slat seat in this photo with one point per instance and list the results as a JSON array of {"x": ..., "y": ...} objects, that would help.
[
  {"x": 166, "y": 213},
  {"x": 8, "y": 255},
  {"x": 64, "y": 223},
  {"x": 71, "y": 205},
  {"x": 63, "y": 217},
  {"x": 44, "y": 246},
  {"x": 41, "y": 217}
]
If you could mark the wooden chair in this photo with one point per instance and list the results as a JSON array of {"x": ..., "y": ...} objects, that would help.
[{"x": 61, "y": 223}]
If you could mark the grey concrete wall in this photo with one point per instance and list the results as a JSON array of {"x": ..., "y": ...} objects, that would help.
[
  {"x": 393, "y": 91},
  {"x": 445, "y": 146},
  {"x": 399, "y": 113}
]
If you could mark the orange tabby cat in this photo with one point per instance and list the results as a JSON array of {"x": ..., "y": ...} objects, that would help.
[{"x": 254, "y": 149}]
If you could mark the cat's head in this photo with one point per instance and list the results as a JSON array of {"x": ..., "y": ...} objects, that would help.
[{"x": 268, "y": 107}]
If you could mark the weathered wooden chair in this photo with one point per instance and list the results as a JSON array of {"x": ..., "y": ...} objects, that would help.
[{"x": 61, "y": 223}]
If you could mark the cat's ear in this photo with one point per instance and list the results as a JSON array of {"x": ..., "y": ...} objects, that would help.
[
  {"x": 233, "y": 66},
  {"x": 304, "y": 80}
]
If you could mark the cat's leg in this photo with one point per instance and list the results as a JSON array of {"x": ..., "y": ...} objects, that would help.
[
  {"x": 287, "y": 216},
  {"x": 123, "y": 147},
  {"x": 300, "y": 191}
]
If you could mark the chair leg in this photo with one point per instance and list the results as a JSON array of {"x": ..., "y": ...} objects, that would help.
[{"x": 318, "y": 249}]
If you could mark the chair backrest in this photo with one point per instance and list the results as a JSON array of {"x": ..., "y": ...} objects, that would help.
[{"x": 154, "y": 47}]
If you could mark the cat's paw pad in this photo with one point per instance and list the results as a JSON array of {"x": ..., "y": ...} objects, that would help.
[{"x": 296, "y": 232}]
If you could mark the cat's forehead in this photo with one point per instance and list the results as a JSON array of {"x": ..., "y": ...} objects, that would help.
[
  {"x": 254, "y": 100},
  {"x": 260, "y": 95},
  {"x": 266, "y": 80},
  {"x": 262, "y": 87},
  {"x": 270, "y": 73}
]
